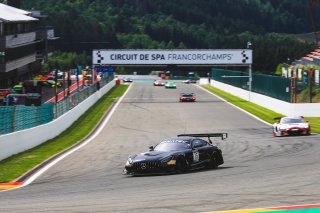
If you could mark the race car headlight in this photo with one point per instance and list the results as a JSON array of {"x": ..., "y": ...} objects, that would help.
[{"x": 129, "y": 162}]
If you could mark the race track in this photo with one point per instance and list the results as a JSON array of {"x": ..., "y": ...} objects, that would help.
[{"x": 259, "y": 170}]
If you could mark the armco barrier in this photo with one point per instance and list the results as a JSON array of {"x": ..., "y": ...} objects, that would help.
[
  {"x": 20, "y": 141},
  {"x": 282, "y": 107}
]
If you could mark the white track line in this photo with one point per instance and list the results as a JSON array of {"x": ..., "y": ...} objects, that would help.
[
  {"x": 48, "y": 166},
  {"x": 259, "y": 119}
]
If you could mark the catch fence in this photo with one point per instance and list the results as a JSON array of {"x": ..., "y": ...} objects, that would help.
[
  {"x": 20, "y": 117},
  {"x": 273, "y": 86}
]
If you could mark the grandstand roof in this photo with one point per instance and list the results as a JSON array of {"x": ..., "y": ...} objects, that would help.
[
  {"x": 316, "y": 53},
  {"x": 307, "y": 58},
  {"x": 11, "y": 14}
]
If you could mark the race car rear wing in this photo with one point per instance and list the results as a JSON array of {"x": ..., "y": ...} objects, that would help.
[{"x": 204, "y": 135}]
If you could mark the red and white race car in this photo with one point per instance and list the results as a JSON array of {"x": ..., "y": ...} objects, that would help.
[
  {"x": 291, "y": 126},
  {"x": 158, "y": 83},
  {"x": 187, "y": 97}
]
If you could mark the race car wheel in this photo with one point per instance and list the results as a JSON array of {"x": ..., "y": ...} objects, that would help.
[
  {"x": 215, "y": 160},
  {"x": 181, "y": 166},
  {"x": 274, "y": 131}
]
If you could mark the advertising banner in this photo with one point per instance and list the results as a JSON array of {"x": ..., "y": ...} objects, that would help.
[{"x": 176, "y": 57}]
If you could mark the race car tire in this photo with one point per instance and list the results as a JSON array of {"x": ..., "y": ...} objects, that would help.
[
  {"x": 274, "y": 131},
  {"x": 215, "y": 160},
  {"x": 181, "y": 166},
  {"x": 220, "y": 159}
]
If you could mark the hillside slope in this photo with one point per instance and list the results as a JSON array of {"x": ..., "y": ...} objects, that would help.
[{"x": 201, "y": 24}]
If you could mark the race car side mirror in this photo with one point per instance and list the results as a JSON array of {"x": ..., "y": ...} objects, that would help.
[{"x": 151, "y": 148}]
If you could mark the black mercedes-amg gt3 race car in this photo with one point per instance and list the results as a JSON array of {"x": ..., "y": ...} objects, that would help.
[{"x": 177, "y": 155}]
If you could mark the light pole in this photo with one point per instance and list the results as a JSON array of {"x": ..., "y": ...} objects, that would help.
[{"x": 250, "y": 72}]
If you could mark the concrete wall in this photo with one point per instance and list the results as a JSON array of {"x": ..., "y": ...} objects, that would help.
[
  {"x": 20, "y": 141},
  {"x": 285, "y": 108}
]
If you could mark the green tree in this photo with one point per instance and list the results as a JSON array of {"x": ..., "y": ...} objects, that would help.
[
  {"x": 65, "y": 61},
  {"x": 83, "y": 25}
]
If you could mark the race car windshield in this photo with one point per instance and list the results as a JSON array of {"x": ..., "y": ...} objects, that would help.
[
  {"x": 170, "y": 146},
  {"x": 188, "y": 95},
  {"x": 291, "y": 120}
]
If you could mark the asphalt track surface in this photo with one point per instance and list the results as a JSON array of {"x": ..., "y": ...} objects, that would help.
[{"x": 259, "y": 170}]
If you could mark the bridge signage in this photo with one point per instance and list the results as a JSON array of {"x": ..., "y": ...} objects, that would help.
[{"x": 176, "y": 57}]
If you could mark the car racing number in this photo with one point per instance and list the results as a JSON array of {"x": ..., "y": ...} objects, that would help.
[{"x": 195, "y": 156}]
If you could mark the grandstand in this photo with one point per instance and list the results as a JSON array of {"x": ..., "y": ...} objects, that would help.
[{"x": 312, "y": 58}]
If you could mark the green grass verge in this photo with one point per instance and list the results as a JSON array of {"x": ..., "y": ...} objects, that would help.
[
  {"x": 14, "y": 166},
  {"x": 315, "y": 124},
  {"x": 259, "y": 111}
]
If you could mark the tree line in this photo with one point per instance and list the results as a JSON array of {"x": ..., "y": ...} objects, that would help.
[{"x": 83, "y": 25}]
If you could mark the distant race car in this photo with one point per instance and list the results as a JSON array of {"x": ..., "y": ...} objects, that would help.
[
  {"x": 291, "y": 126},
  {"x": 51, "y": 83},
  {"x": 177, "y": 155},
  {"x": 4, "y": 93},
  {"x": 17, "y": 89},
  {"x": 41, "y": 77},
  {"x": 158, "y": 83},
  {"x": 188, "y": 81},
  {"x": 127, "y": 80},
  {"x": 59, "y": 74},
  {"x": 187, "y": 97},
  {"x": 170, "y": 85}
]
